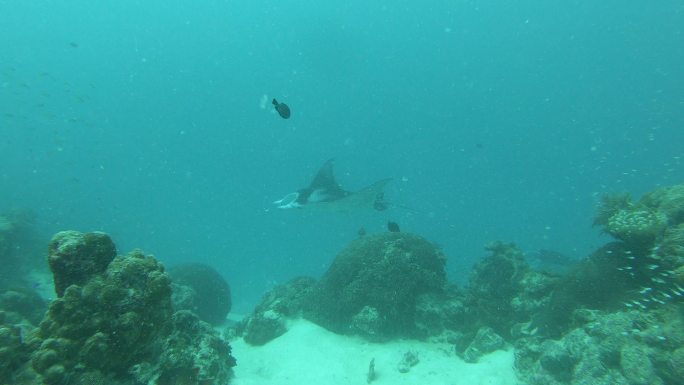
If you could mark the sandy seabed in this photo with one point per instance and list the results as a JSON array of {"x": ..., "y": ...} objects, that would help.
[{"x": 310, "y": 355}]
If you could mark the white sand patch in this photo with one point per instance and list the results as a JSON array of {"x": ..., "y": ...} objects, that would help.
[{"x": 310, "y": 355}]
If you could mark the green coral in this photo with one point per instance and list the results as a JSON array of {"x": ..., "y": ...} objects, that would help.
[
  {"x": 193, "y": 353},
  {"x": 610, "y": 205},
  {"x": 641, "y": 224},
  {"x": 637, "y": 226},
  {"x": 498, "y": 291},
  {"x": 669, "y": 201},
  {"x": 110, "y": 321},
  {"x": 385, "y": 273},
  {"x": 205, "y": 291},
  {"x": 13, "y": 351},
  {"x": 653, "y": 231},
  {"x": 75, "y": 257},
  {"x": 119, "y": 321}
]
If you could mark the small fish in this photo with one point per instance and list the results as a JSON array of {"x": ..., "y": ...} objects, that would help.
[
  {"x": 282, "y": 108},
  {"x": 361, "y": 232},
  {"x": 73, "y": 44},
  {"x": 392, "y": 227},
  {"x": 645, "y": 290}
]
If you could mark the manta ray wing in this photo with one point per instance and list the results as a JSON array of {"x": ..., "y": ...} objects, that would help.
[{"x": 324, "y": 183}]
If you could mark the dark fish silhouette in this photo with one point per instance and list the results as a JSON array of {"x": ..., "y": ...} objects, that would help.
[
  {"x": 551, "y": 261},
  {"x": 392, "y": 227},
  {"x": 282, "y": 108},
  {"x": 325, "y": 192}
]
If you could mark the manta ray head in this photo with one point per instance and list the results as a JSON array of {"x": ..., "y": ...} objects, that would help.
[{"x": 289, "y": 201}]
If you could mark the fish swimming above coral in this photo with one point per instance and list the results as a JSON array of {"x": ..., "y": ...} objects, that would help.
[{"x": 325, "y": 192}]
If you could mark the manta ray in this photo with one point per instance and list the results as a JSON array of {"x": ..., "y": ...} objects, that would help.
[{"x": 325, "y": 192}]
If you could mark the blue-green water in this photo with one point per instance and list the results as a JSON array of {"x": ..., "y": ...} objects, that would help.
[{"x": 496, "y": 120}]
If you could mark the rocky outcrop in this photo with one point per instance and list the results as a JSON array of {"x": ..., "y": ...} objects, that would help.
[
  {"x": 112, "y": 325},
  {"x": 373, "y": 286},
  {"x": 201, "y": 289},
  {"x": 269, "y": 319}
]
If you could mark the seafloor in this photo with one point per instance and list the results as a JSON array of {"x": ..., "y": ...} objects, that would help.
[{"x": 383, "y": 313}]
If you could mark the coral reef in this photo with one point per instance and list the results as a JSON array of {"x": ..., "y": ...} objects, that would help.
[
  {"x": 653, "y": 263},
  {"x": 268, "y": 321},
  {"x": 20, "y": 310},
  {"x": 503, "y": 291},
  {"x": 22, "y": 305},
  {"x": 373, "y": 286},
  {"x": 444, "y": 316},
  {"x": 75, "y": 257},
  {"x": 209, "y": 296},
  {"x": 193, "y": 353},
  {"x": 631, "y": 347},
  {"x": 110, "y": 322},
  {"x": 13, "y": 350},
  {"x": 640, "y": 224},
  {"x": 618, "y": 318},
  {"x": 114, "y": 325},
  {"x": 595, "y": 283}
]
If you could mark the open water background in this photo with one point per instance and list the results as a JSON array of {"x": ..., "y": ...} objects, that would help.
[{"x": 498, "y": 120}]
